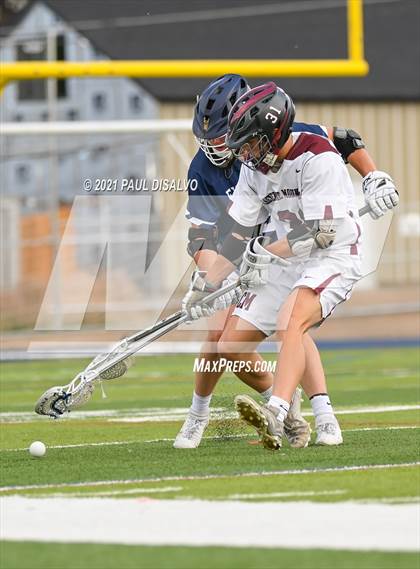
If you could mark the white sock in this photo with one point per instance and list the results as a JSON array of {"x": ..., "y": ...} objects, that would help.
[
  {"x": 321, "y": 404},
  {"x": 200, "y": 405},
  {"x": 281, "y": 405},
  {"x": 267, "y": 394}
]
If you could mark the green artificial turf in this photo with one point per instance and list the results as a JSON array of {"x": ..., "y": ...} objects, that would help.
[
  {"x": 132, "y": 457},
  {"x": 82, "y": 556}
]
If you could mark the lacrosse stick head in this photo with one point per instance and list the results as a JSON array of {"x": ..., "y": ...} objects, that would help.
[
  {"x": 59, "y": 400},
  {"x": 114, "y": 372}
]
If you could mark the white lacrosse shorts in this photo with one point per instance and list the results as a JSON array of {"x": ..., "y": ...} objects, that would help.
[{"x": 332, "y": 276}]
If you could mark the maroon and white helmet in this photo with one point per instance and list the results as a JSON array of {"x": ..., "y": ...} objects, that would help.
[{"x": 260, "y": 122}]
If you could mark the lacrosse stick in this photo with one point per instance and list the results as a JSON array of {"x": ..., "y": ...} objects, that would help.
[
  {"x": 363, "y": 210},
  {"x": 61, "y": 399}
]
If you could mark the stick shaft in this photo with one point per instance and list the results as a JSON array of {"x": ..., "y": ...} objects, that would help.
[
  {"x": 153, "y": 333},
  {"x": 363, "y": 210}
]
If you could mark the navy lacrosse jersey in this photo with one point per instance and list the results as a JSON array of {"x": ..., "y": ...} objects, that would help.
[{"x": 210, "y": 188}]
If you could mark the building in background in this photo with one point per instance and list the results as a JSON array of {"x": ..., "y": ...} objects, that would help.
[
  {"x": 45, "y": 174},
  {"x": 41, "y": 34}
]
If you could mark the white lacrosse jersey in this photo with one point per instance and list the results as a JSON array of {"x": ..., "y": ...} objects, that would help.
[{"x": 311, "y": 184}]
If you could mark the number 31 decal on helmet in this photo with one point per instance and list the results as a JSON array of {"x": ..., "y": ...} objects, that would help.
[{"x": 260, "y": 122}]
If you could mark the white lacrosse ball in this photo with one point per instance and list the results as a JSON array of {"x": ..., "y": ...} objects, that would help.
[{"x": 37, "y": 449}]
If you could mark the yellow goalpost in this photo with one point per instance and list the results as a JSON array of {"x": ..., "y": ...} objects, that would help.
[{"x": 354, "y": 65}]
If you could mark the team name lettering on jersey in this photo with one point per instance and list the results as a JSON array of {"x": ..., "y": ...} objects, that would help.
[{"x": 284, "y": 193}]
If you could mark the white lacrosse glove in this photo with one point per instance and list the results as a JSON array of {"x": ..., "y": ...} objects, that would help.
[
  {"x": 255, "y": 262},
  {"x": 229, "y": 298},
  {"x": 193, "y": 304},
  {"x": 380, "y": 193},
  {"x": 305, "y": 237}
]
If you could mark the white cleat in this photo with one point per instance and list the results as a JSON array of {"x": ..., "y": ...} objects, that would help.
[
  {"x": 328, "y": 430},
  {"x": 296, "y": 429},
  {"x": 263, "y": 418},
  {"x": 191, "y": 431}
]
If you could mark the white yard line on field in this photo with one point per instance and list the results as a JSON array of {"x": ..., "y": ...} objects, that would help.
[
  {"x": 162, "y": 414},
  {"x": 233, "y": 414},
  {"x": 150, "y": 413},
  {"x": 393, "y": 500},
  {"x": 368, "y": 527},
  {"x": 207, "y": 476},
  {"x": 396, "y": 428},
  {"x": 164, "y": 490},
  {"x": 80, "y": 445},
  {"x": 375, "y": 409},
  {"x": 246, "y": 436},
  {"x": 209, "y": 438},
  {"x": 285, "y": 494}
]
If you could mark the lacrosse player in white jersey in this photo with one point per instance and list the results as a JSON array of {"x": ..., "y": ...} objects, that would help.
[
  {"x": 216, "y": 172},
  {"x": 295, "y": 282}
]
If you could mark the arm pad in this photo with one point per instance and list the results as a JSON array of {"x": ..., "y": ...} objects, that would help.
[
  {"x": 234, "y": 245},
  {"x": 346, "y": 141},
  {"x": 200, "y": 238}
]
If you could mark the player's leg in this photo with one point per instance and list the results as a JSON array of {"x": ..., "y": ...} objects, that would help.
[
  {"x": 243, "y": 341},
  {"x": 257, "y": 311},
  {"x": 318, "y": 290},
  {"x": 238, "y": 345},
  {"x": 331, "y": 282},
  {"x": 196, "y": 422},
  {"x": 315, "y": 386},
  {"x": 299, "y": 312},
  {"x": 313, "y": 382}
]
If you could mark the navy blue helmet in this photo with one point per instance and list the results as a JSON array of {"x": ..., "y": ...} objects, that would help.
[{"x": 211, "y": 112}]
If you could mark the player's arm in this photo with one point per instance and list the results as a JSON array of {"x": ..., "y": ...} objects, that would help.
[
  {"x": 256, "y": 253},
  {"x": 352, "y": 149},
  {"x": 202, "y": 245},
  {"x": 203, "y": 212},
  {"x": 246, "y": 211},
  {"x": 299, "y": 242},
  {"x": 231, "y": 253},
  {"x": 210, "y": 278},
  {"x": 230, "y": 256},
  {"x": 378, "y": 187}
]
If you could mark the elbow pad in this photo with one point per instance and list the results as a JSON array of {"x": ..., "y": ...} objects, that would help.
[
  {"x": 201, "y": 238},
  {"x": 235, "y": 244},
  {"x": 347, "y": 141}
]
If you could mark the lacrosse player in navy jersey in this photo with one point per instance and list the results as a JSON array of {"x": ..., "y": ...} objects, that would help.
[{"x": 216, "y": 172}]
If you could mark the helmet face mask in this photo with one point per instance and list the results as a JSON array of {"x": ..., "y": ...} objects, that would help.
[
  {"x": 257, "y": 154},
  {"x": 216, "y": 151}
]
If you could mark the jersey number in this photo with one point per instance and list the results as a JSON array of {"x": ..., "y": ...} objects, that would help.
[{"x": 271, "y": 117}]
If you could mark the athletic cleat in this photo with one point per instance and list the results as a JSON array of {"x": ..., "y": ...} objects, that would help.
[
  {"x": 263, "y": 418},
  {"x": 328, "y": 430},
  {"x": 296, "y": 429},
  {"x": 191, "y": 431}
]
